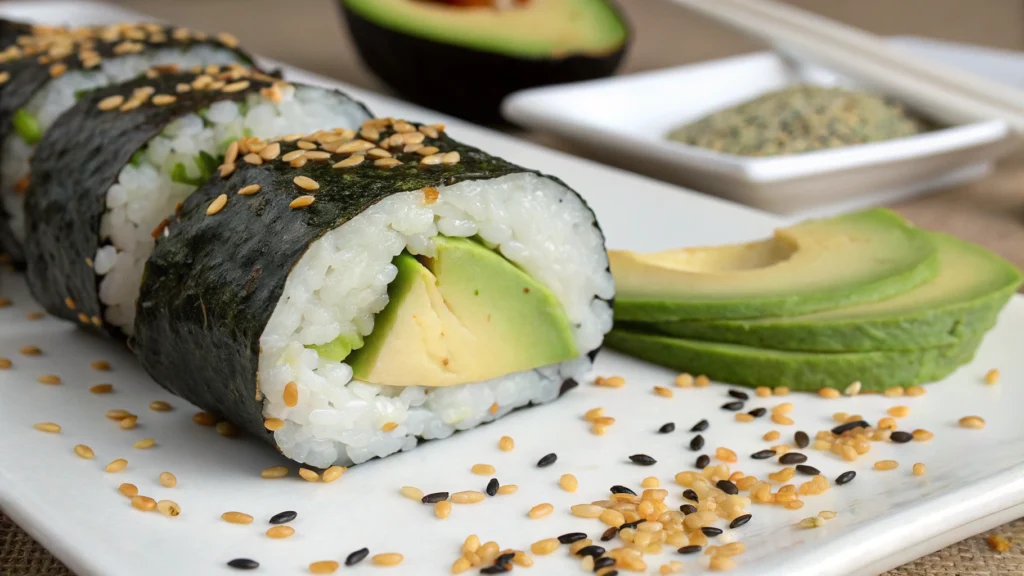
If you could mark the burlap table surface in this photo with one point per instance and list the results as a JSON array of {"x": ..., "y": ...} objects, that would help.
[{"x": 990, "y": 212}]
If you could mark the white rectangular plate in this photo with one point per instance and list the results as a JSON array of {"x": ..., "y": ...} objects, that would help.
[
  {"x": 625, "y": 120},
  {"x": 72, "y": 506}
]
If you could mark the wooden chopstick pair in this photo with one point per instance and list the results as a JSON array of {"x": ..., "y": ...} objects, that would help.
[{"x": 950, "y": 96}]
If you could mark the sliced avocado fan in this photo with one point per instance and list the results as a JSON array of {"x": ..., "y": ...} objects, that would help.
[
  {"x": 965, "y": 298},
  {"x": 816, "y": 265}
]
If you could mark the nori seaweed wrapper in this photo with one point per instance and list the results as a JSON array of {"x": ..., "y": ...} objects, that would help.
[
  {"x": 49, "y": 52},
  {"x": 77, "y": 162},
  {"x": 213, "y": 282}
]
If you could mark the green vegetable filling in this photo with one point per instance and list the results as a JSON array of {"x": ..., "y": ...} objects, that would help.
[{"x": 27, "y": 127}]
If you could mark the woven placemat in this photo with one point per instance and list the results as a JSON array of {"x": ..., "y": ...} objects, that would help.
[{"x": 20, "y": 555}]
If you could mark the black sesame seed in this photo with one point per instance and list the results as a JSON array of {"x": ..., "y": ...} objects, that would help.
[
  {"x": 763, "y": 454},
  {"x": 758, "y": 412},
  {"x": 603, "y": 562},
  {"x": 505, "y": 558},
  {"x": 434, "y": 498},
  {"x": 801, "y": 439},
  {"x": 703, "y": 461},
  {"x": 691, "y": 549},
  {"x": 901, "y": 437},
  {"x": 283, "y": 517},
  {"x": 572, "y": 537},
  {"x": 492, "y": 487},
  {"x": 740, "y": 521},
  {"x": 244, "y": 564},
  {"x": 733, "y": 406},
  {"x": 667, "y": 428},
  {"x": 357, "y": 556},
  {"x": 808, "y": 470},
  {"x": 632, "y": 524},
  {"x": 738, "y": 394},
  {"x": 609, "y": 534},
  {"x": 687, "y": 509},
  {"x": 612, "y": 573},
  {"x": 547, "y": 460},
  {"x": 849, "y": 426},
  {"x": 845, "y": 477},
  {"x": 496, "y": 569},
  {"x": 617, "y": 489},
  {"x": 592, "y": 550},
  {"x": 697, "y": 442},
  {"x": 700, "y": 426},
  {"x": 792, "y": 458},
  {"x": 711, "y": 531},
  {"x": 643, "y": 460},
  {"x": 690, "y": 495},
  {"x": 727, "y": 487}
]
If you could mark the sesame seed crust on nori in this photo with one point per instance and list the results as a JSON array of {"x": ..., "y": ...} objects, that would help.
[
  {"x": 29, "y": 62},
  {"x": 213, "y": 282},
  {"x": 74, "y": 166}
]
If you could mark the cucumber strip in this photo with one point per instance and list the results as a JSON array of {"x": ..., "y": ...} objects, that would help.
[{"x": 27, "y": 127}]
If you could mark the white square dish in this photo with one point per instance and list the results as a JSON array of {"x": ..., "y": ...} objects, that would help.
[
  {"x": 71, "y": 506},
  {"x": 624, "y": 120}
]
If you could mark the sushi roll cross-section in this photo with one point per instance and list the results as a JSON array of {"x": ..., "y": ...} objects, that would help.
[
  {"x": 360, "y": 292},
  {"x": 44, "y": 73},
  {"x": 122, "y": 158}
]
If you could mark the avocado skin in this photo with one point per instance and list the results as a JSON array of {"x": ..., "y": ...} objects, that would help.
[
  {"x": 804, "y": 371},
  {"x": 463, "y": 82}
]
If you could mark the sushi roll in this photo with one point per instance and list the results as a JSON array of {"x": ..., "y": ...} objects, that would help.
[
  {"x": 118, "y": 162},
  {"x": 45, "y": 72},
  {"x": 354, "y": 295}
]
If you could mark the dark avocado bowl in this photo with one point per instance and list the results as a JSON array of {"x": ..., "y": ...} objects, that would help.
[{"x": 462, "y": 57}]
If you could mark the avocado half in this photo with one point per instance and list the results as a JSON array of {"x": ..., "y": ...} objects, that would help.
[{"x": 463, "y": 57}]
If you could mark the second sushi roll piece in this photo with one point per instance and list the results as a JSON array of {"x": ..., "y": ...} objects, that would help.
[
  {"x": 116, "y": 165},
  {"x": 352, "y": 296}
]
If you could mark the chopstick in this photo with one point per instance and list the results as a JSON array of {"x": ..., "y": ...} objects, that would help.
[{"x": 943, "y": 94}]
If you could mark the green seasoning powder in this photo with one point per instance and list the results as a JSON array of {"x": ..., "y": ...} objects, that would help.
[{"x": 800, "y": 119}]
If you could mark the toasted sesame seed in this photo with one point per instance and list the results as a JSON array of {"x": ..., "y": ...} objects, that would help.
[
  {"x": 992, "y": 376},
  {"x": 48, "y": 379},
  {"x": 128, "y": 422},
  {"x": 662, "y": 391},
  {"x": 117, "y": 465},
  {"x": 30, "y": 351},
  {"x": 830, "y": 393},
  {"x": 160, "y": 406},
  {"x": 301, "y": 202},
  {"x": 853, "y": 389},
  {"x": 225, "y": 170},
  {"x": 273, "y": 424},
  {"x": 387, "y": 559},
  {"x": 168, "y": 480},
  {"x": 921, "y": 435},
  {"x": 543, "y": 547},
  {"x": 975, "y": 422},
  {"x": 164, "y": 99},
  {"x": 506, "y": 489},
  {"x": 309, "y": 475},
  {"x": 274, "y": 472},
  {"x": 587, "y": 510},
  {"x": 38, "y": 315},
  {"x": 333, "y": 473},
  {"x": 279, "y": 532},
  {"x": 919, "y": 469},
  {"x": 389, "y": 426},
  {"x": 144, "y": 444},
  {"x": 741, "y": 417},
  {"x": 353, "y": 160},
  {"x": 432, "y": 160},
  {"x": 236, "y": 86},
  {"x": 702, "y": 381},
  {"x": 725, "y": 455},
  {"x": 144, "y": 503},
  {"x": 217, "y": 205},
  {"x": 48, "y": 427},
  {"x": 886, "y": 465},
  {"x": 541, "y": 510},
  {"x": 468, "y": 497},
  {"x": 83, "y": 451},
  {"x": 506, "y": 443},
  {"x": 291, "y": 394},
  {"x": 204, "y": 419},
  {"x": 354, "y": 146},
  {"x": 443, "y": 509},
  {"x": 411, "y": 492},
  {"x": 915, "y": 391},
  {"x": 5, "y": 363},
  {"x": 568, "y": 482},
  {"x": 324, "y": 567},
  {"x": 117, "y": 414},
  {"x": 894, "y": 392},
  {"x": 387, "y": 162},
  {"x": 110, "y": 102},
  {"x": 451, "y": 158},
  {"x": 129, "y": 490},
  {"x": 482, "y": 469}
]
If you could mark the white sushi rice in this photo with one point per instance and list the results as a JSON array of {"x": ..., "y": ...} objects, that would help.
[
  {"x": 57, "y": 95},
  {"x": 145, "y": 194},
  {"x": 341, "y": 282}
]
